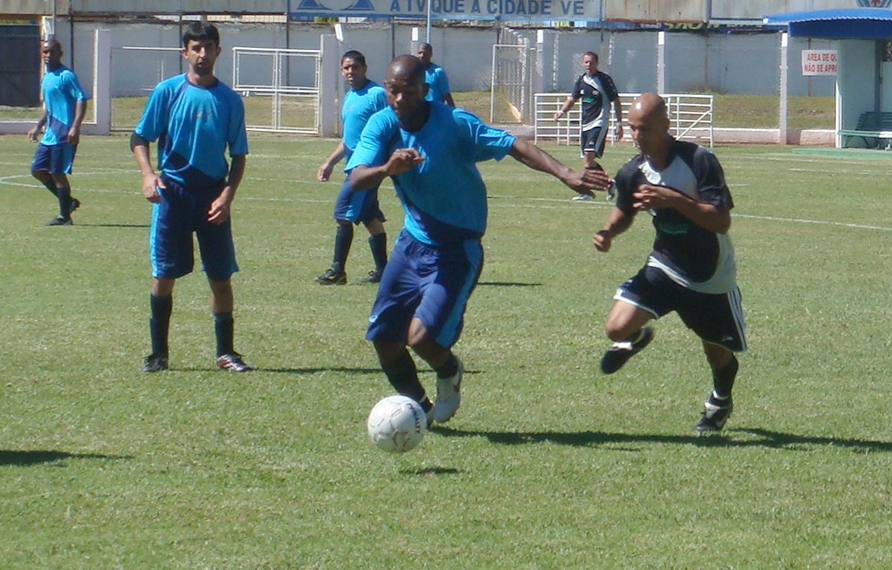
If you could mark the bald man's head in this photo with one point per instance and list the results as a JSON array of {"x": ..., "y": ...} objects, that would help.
[
  {"x": 648, "y": 120},
  {"x": 405, "y": 88}
]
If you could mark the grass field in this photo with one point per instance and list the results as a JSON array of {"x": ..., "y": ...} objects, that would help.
[
  {"x": 549, "y": 464},
  {"x": 731, "y": 111}
]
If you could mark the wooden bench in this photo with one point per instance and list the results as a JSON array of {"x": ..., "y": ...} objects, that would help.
[{"x": 872, "y": 129}]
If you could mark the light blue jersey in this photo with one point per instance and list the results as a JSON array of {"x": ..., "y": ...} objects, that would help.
[
  {"x": 359, "y": 105},
  {"x": 437, "y": 82},
  {"x": 60, "y": 91},
  {"x": 444, "y": 197},
  {"x": 193, "y": 126}
]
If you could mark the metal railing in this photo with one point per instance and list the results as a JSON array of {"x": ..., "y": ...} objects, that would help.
[{"x": 691, "y": 117}]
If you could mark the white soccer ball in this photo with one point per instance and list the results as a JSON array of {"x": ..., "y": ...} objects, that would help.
[{"x": 397, "y": 424}]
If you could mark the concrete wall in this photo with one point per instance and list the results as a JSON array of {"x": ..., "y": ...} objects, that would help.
[{"x": 695, "y": 62}]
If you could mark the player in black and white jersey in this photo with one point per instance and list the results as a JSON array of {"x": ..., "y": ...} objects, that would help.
[
  {"x": 691, "y": 269},
  {"x": 597, "y": 92}
]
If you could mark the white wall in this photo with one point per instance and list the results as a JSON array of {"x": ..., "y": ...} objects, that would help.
[{"x": 724, "y": 63}]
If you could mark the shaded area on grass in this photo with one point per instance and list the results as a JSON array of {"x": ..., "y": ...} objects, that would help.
[
  {"x": 766, "y": 438},
  {"x": 29, "y": 458}
]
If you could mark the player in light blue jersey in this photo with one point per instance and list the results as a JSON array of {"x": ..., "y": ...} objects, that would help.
[
  {"x": 435, "y": 77},
  {"x": 195, "y": 118},
  {"x": 364, "y": 99},
  {"x": 430, "y": 151},
  {"x": 64, "y": 107}
]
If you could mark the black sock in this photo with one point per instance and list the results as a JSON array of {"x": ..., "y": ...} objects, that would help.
[
  {"x": 159, "y": 324},
  {"x": 403, "y": 376},
  {"x": 378, "y": 245},
  {"x": 343, "y": 241},
  {"x": 723, "y": 379},
  {"x": 224, "y": 330},
  {"x": 51, "y": 186},
  {"x": 64, "y": 195},
  {"x": 449, "y": 368}
]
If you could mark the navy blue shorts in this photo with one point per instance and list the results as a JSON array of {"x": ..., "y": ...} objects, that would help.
[
  {"x": 182, "y": 212},
  {"x": 55, "y": 159},
  {"x": 359, "y": 206},
  {"x": 716, "y": 319},
  {"x": 428, "y": 282},
  {"x": 593, "y": 140}
]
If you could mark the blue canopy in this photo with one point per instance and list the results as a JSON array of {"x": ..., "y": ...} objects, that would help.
[{"x": 845, "y": 23}]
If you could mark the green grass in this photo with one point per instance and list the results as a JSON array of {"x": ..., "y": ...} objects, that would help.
[
  {"x": 548, "y": 464},
  {"x": 732, "y": 111}
]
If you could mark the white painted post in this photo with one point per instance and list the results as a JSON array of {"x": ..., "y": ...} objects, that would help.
[
  {"x": 782, "y": 125},
  {"x": 102, "y": 64},
  {"x": 329, "y": 78},
  {"x": 661, "y": 62}
]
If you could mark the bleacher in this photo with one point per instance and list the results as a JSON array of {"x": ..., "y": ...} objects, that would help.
[{"x": 874, "y": 130}]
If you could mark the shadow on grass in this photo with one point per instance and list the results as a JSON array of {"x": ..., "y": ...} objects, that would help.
[
  {"x": 726, "y": 438},
  {"x": 114, "y": 225},
  {"x": 506, "y": 284},
  {"x": 28, "y": 458},
  {"x": 285, "y": 370},
  {"x": 432, "y": 471}
]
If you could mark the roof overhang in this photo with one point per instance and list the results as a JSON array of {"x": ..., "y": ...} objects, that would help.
[{"x": 846, "y": 23}]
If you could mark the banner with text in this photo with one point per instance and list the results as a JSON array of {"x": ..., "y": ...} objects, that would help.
[{"x": 463, "y": 9}]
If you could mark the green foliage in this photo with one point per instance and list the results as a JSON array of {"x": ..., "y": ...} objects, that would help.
[{"x": 548, "y": 464}]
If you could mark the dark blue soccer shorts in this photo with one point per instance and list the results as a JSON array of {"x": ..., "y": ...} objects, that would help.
[
  {"x": 357, "y": 207},
  {"x": 716, "y": 319},
  {"x": 55, "y": 159},
  {"x": 593, "y": 140},
  {"x": 432, "y": 283},
  {"x": 182, "y": 212}
]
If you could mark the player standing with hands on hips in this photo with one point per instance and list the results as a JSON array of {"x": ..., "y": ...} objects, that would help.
[
  {"x": 598, "y": 92},
  {"x": 430, "y": 151},
  {"x": 691, "y": 269},
  {"x": 64, "y": 108},
  {"x": 195, "y": 117}
]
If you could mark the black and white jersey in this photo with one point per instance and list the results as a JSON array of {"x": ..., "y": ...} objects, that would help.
[
  {"x": 690, "y": 255},
  {"x": 597, "y": 93}
]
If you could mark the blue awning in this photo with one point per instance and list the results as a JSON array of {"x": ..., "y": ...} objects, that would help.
[{"x": 846, "y": 23}]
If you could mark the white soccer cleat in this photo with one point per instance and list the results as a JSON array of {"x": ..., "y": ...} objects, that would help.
[{"x": 448, "y": 396}]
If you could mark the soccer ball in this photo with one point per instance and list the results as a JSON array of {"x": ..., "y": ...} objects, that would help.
[{"x": 397, "y": 424}]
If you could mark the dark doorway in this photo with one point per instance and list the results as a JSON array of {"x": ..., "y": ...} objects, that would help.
[{"x": 20, "y": 65}]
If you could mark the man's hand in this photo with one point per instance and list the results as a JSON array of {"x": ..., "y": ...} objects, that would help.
[
  {"x": 33, "y": 134},
  {"x": 74, "y": 135},
  {"x": 619, "y": 131},
  {"x": 324, "y": 171},
  {"x": 402, "y": 160},
  {"x": 219, "y": 211},
  {"x": 151, "y": 182},
  {"x": 602, "y": 241},
  {"x": 650, "y": 197},
  {"x": 588, "y": 181}
]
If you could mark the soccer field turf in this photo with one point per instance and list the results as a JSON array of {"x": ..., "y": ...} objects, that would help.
[{"x": 548, "y": 464}]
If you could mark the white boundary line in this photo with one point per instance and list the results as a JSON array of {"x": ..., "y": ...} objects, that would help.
[{"x": 497, "y": 203}]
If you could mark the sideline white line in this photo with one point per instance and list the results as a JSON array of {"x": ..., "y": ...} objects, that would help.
[{"x": 499, "y": 201}]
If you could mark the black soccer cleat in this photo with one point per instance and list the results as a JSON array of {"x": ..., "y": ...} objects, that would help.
[
  {"x": 374, "y": 276},
  {"x": 618, "y": 354},
  {"x": 75, "y": 204},
  {"x": 332, "y": 277},
  {"x": 60, "y": 221},
  {"x": 155, "y": 363},
  {"x": 714, "y": 416}
]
